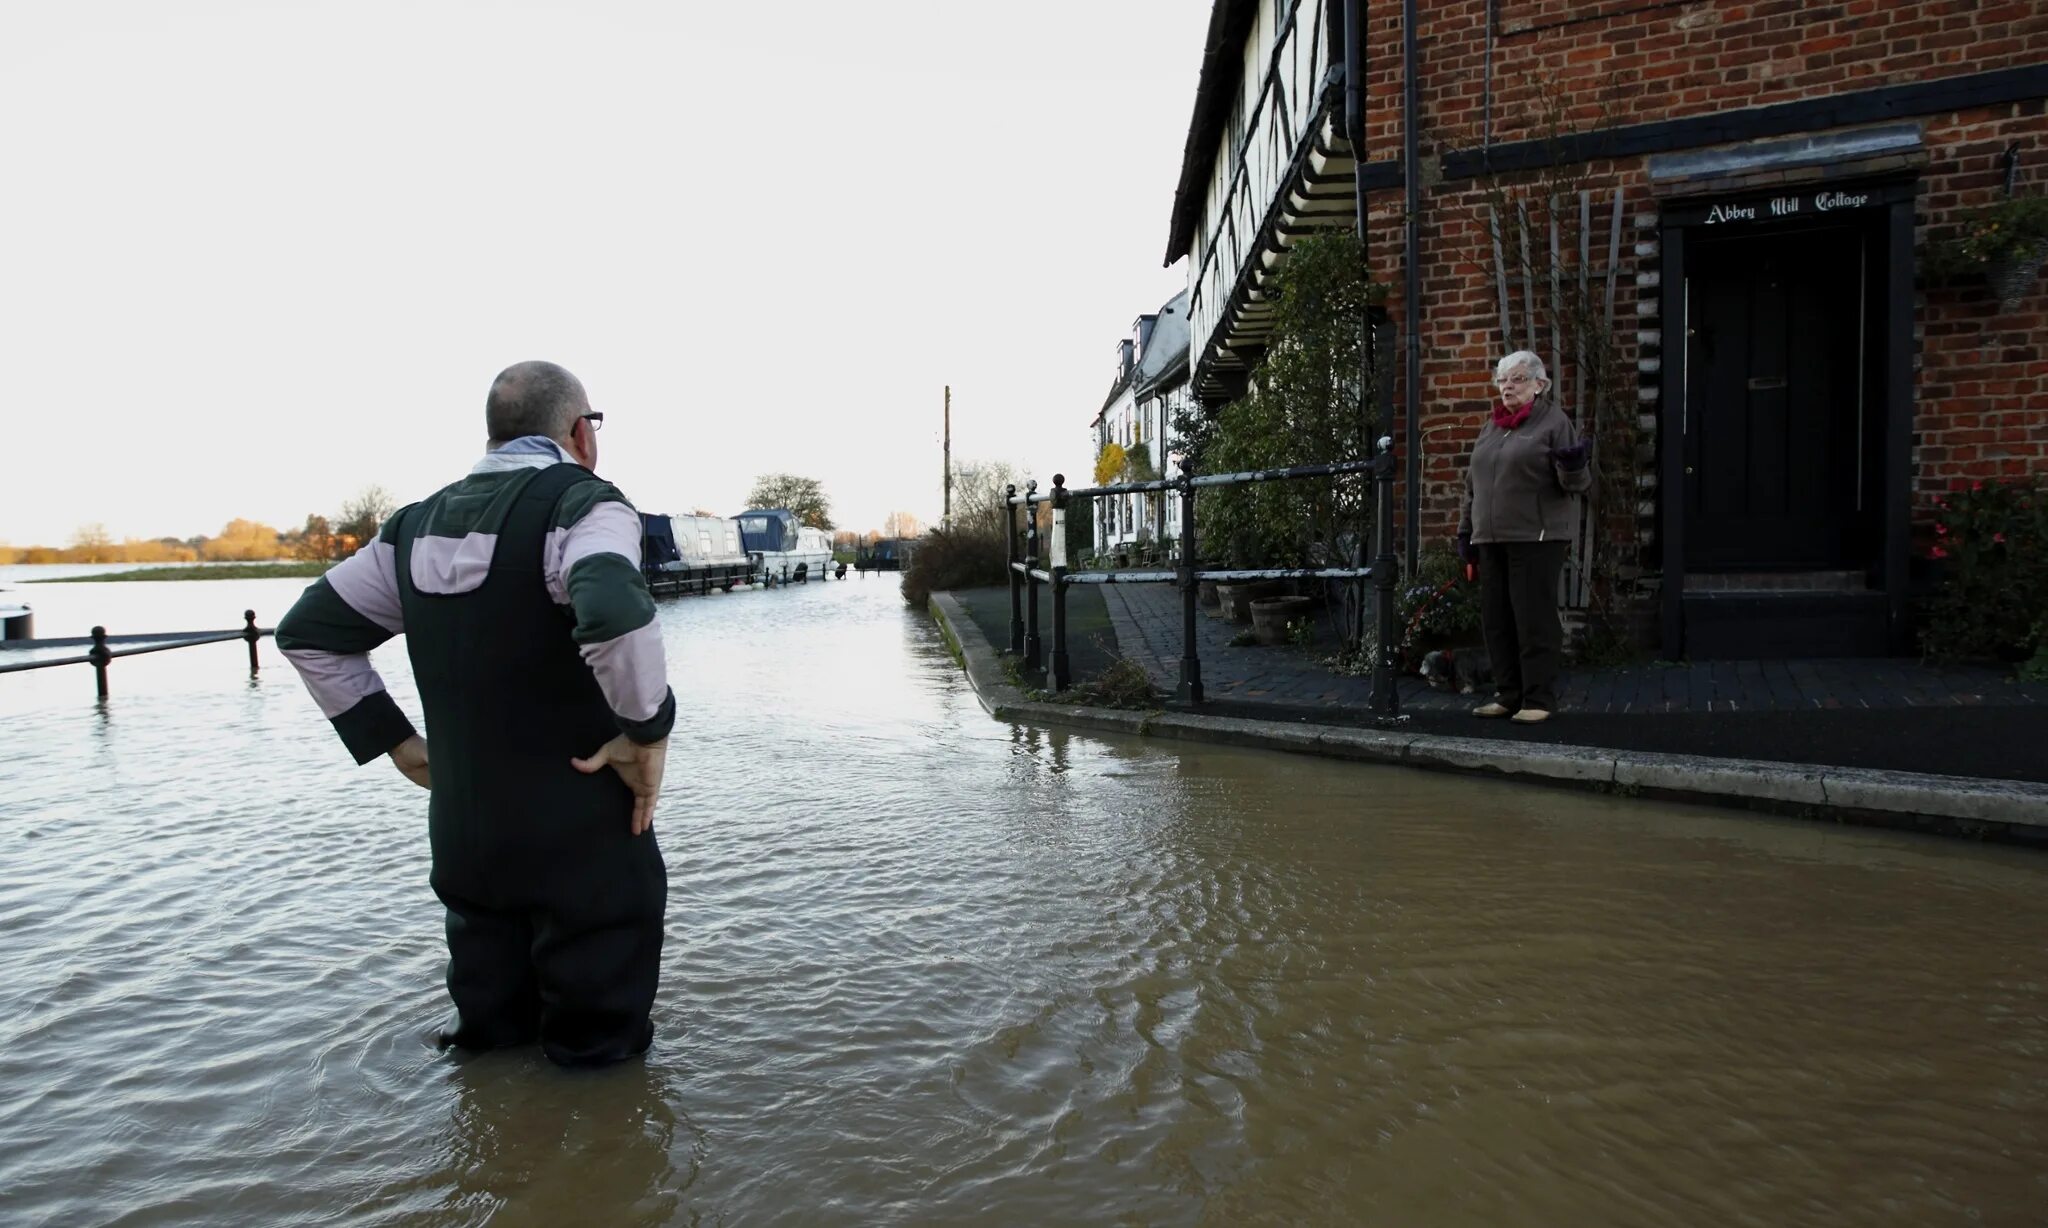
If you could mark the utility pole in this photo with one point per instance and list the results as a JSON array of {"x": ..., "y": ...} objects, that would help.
[{"x": 946, "y": 513}]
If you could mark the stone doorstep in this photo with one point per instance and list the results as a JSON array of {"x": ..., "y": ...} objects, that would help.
[{"x": 1694, "y": 777}]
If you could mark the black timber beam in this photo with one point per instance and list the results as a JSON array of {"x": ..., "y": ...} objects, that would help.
[{"x": 1986, "y": 89}]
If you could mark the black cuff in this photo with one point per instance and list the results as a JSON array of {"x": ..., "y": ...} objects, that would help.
[
  {"x": 373, "y": 727},
  {"x": 655, "y": 727}
]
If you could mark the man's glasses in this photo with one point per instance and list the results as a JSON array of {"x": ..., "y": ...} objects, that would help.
[{"x": 595, "y": 419}]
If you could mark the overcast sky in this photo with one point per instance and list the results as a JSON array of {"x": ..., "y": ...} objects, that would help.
[{"x": 255, "y": 257}]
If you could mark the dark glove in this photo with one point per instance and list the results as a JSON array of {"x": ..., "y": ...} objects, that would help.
[
  {"x": 1466, "y": 550},
  {"x": 1571, "y": 458}
]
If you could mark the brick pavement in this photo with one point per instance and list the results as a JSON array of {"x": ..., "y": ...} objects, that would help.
[{"x": 1147, "y": 620}]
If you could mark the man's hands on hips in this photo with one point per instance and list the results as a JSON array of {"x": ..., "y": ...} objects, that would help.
[
  {"x": 410, "y": 758},
  {"x": 639, "y": 766}
]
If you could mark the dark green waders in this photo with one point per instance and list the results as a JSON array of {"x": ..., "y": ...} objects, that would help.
[{"x": 554, "y": 906}]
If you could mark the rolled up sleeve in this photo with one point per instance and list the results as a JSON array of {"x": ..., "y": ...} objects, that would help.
[
  {"x": 327, "y": 636},
  {"x": 595, "y": 563}
]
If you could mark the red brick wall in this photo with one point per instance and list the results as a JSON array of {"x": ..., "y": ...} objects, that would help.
[
  {"x": 1981, "y": 374},
  {"x": 1982, "y": 382}
]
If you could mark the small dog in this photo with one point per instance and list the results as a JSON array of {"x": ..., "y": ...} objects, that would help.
[{"x": 1463, "y": 670}]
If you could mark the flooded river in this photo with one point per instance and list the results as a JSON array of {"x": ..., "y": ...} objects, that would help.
[{"x": 927, "y": 968}]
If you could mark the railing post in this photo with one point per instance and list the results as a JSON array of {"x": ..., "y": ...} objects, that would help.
[
  {"x": 1016, "y": 581},
  {"x": 1033, "y": 656},
  {"x": 1059, "y": 671},
  {"x": 1190, "y": 660},
  {"x": 99, "y": 656},
  {"x": 250, "y": 634},
  {"x": 1386, "y": 700}
]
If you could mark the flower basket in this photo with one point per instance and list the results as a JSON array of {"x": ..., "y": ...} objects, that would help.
[
  {"x": 2011, "y": 276},
  {"x": 2004, "y": 243}
]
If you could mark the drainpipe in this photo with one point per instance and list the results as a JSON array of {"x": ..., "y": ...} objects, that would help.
[
  {"x": 1411, "y": 290},
  {"x": 1486, "y": 94},
  {"x": 1354, "y": 132}
]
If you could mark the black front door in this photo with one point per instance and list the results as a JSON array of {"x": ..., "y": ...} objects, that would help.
[{"x": 1778, "y": 447}]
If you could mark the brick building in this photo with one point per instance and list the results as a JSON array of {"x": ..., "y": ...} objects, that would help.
[{"x": 1742, "y": 194}]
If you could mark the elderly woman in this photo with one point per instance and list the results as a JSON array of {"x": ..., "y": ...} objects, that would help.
[{"x": 1521, "y": 489}]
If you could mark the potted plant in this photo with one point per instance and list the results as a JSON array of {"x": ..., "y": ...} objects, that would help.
[{"x": 2004, "y": 243}]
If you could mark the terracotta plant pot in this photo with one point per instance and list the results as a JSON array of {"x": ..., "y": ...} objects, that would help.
[
  {"x": 1236, "y": 599},
  {"x": 1271, "y": 616}
]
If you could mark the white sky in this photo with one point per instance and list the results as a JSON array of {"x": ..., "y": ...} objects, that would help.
[{"x": 255, "y": 257}]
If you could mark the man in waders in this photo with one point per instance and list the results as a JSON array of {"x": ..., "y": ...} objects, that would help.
[{"x": 540, "y": 667}]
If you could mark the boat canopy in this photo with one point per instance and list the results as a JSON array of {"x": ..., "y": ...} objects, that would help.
[
  {"x": 768, "y": 530},
  {"x": 657, "y": 541}
]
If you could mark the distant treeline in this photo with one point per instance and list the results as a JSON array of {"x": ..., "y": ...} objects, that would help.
[{"x": 239, "y": 541}]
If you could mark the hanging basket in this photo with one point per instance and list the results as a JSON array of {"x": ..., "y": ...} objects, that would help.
[{"x": 2012, "y": 278}]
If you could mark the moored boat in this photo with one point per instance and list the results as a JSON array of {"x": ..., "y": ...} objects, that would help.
[
  {"x": 692, "y": 554},
  {"x": 782, "y": 548}
]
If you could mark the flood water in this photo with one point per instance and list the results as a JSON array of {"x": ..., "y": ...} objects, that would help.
[{"x": 924, "y": 967}]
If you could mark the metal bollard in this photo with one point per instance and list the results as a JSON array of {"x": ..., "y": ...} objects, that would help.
[
  {"x": 100, "y": 657},
  {"x": 1060, "y": 675},
  {"x": 1386, "y": 700},
  {"x": 1016, "y": 581},
  {"x": 250, "y": 634},
  {"x": 1033, "y": 657},
  {"x": 1190, "y": 660}
]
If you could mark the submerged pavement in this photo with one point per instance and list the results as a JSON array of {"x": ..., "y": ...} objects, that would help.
[{"x": 1876, "y": 740}]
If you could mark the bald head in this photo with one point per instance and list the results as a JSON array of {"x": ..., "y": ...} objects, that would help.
[{"x": 534, "y": 398}]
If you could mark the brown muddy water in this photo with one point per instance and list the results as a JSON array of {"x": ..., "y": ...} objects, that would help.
[{"x": 927, "y": 968}]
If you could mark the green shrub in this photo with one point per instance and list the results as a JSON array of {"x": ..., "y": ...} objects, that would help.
[
  {"x": 956, "y": 558},
  {"x": 1301, "y": 408},
  {"x": 1988, "y": 546}
]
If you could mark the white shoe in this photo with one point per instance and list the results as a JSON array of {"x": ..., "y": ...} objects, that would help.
[
  {"x": 1492, "y": 709},
  {"x": 1531, "y": 716}
]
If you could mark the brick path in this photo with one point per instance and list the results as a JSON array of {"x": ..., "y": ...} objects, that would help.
[{"x": 1147, "y": 619}]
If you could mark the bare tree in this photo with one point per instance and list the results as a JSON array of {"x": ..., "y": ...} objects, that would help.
[
  {"x": 361, "y": 516},
  {"x": 902, "y": 524},
  {"x": 92, "y": 543},
  {"x": 979, "y": 490}
]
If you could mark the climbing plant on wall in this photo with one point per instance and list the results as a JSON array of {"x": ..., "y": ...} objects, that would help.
[{"x": 1301, "y": 407}]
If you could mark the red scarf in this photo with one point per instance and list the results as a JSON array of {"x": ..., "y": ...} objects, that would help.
[{"x": 1508, "y": 419}]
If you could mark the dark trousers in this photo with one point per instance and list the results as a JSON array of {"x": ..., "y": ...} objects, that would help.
[
  {"x": 566, "y": 950},
  {"x": 1518, "y": 611}
]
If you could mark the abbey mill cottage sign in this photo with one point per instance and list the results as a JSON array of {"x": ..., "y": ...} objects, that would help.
[{"x": 1788, "y": 206}]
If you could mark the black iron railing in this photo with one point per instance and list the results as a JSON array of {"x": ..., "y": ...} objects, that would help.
[
  {"x": 1026, "y": 574},
  {"x": 101, "y": 648}
]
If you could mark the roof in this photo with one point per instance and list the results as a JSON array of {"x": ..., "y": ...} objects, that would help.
[
  {"x": 1165, "y": 356},
  {"x": 1222, "y": 72},
  {"x": 1167, "y": 352},
  {"x": 1116, "y": 390}
]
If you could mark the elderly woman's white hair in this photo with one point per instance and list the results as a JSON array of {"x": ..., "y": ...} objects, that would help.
[{"x": 1520, "y": 360}]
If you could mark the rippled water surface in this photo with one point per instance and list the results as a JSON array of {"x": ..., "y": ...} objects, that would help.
[{"x": 925, "y": 967}]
